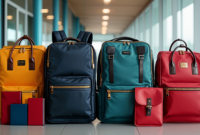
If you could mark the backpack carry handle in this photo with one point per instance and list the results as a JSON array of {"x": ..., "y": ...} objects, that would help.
[
  {"x": 172, "y": 67},
  {"x": 19, "y": 43},
  {"x": 31, "y": 60},
  {"x": 71, "y": 38},
  {"x": 176, "y": 41},
  {"x": 124, "y": 38}
]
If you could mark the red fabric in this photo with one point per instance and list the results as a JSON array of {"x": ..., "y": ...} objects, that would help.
[
  {"x": 36, "y": 114},
  {"x": 141, "y": 95},
  {"x": 179, "y": 106},
  {"x": 8, "y": 98}
]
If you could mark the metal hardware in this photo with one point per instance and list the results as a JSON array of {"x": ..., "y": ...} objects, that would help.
[
  {"x": 127, "y": 43},
  {"x": 118, "y": 91},
  {"x": 20, "y": 50},
  {"x": 180, "y": 89},
  {"x": 141, "y": 57},
  {"x": 124, "y": 42},
  {"x": 183, "y": 65},
  {"x": 68, "y": 87},
  {"x": 148, "y": 106},
  {"x": 23, "y": 50},
  {"x": 110, "y": 56}
]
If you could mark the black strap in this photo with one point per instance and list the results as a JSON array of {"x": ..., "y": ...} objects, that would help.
[
  {"x": 85, "y": 36},
  {"x": 148, "y": 107},
  {"x": 58, "y": 36},
  {"x": 111, "y": 52},
  {"x": 141, "y": 52}
]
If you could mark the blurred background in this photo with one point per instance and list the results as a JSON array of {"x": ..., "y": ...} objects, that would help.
[{"x": 157, "y": 22}]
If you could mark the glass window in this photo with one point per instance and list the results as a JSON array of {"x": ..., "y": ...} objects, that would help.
[
  {"x": 155, "y": 28},
  {"x": 21, "y": 3},
  {"x": 167, "y": 24},
  {"x": 21, "y": 27},
  {"x": 133, "y": 30},
  {"x": 137, "y": 29},
  {"x": 30, "y": 6},
  {"x": 141, "y": 24},
  {"x": 147, "y": 26},
  {"x": 11, "y": 25},
  {"x": 30, "y": 26}
]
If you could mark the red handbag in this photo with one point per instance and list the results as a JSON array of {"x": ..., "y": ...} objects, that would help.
[
  {"x": 148, "y": 106},
  {"x": 178, "y": 74}
]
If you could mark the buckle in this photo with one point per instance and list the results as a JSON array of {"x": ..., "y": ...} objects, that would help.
[
  {"x": 141, "y": 57},
  {"x": 148, "y": 106},
  {"x": 110, "y": 56}
]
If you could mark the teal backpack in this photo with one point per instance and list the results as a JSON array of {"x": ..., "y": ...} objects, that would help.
[{"x": 122, "y": 66}]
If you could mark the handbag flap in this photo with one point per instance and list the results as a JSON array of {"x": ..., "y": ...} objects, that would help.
[{"x": 141, "y": 95}]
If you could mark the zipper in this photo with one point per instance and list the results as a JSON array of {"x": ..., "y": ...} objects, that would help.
[
  {"x": 32, "y": 91},
  {"x": 101, "y": 57},
  {"x": 92, "y": 57},
  {"x": 180, "y": 89},
  {"x": 118, "y": 91},
  {"x": 48, "y": 57},
  {"x": 67, "y": 87}
]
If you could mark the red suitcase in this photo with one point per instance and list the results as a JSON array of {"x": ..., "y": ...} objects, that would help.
[
  {"x": 148, "y": 106},
  {"x": 178, "y": 74}
]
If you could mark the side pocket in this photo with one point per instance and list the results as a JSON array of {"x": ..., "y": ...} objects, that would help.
[{"x": 98, "y": 105}]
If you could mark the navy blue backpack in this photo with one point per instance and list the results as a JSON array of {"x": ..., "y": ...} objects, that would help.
[{"x": 70, "y": 79}]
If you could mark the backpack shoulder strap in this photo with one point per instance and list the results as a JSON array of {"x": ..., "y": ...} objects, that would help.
[
  {"x": 85, "y": 36},
  {"x": 58, "y": 36}
]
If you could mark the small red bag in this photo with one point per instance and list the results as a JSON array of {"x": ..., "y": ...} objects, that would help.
[{"x": 148, "y": 106}]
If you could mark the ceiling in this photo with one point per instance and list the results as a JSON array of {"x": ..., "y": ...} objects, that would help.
[{"x": 122, "y": 13}]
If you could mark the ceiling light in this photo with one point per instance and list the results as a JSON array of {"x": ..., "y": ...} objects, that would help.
[
  {"x": 59, "y": 23},
  {"x": 106, "y": 11},
  {"x": 103, "y": 32},
  {"x": 104, "y": 28},
  {"x": 107, "y": 1},
  {"x": 9, "y": 17},
  {"x": 105, "y": 17},
  {"x": 44, "y": 10},
  {"x": 104, "y": 23},
  {"x": 50, "y": 17}
]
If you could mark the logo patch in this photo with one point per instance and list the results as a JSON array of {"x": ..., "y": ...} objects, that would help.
[
  {"x": 183, "y": 65},
  {"x": 126, "y": 52},
  {"x": 21, "y": 62}
]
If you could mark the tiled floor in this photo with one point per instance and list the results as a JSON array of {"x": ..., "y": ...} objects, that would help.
[{"x": 97, "y": 128}]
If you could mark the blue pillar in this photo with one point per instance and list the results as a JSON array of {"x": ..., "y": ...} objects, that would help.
[
  {"x": 74, "y": 25},
  {"x": 77, "y": 26},
  {"x": 65, "y": 16},
  {"x": 37, "y": 22},
  {"x": 55, "y": 14},
  {"x": 0, "y": 24}
]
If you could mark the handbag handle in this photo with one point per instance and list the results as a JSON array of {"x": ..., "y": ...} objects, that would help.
[
  {"x": 31, "y": 60},
  {"x": 71, "y": 38},
  {"x": 176, "y": 41},
  {"x": 124, "y": 38},
  {"x": 172, "y": 67},
  {"x": 19, "y": 43}
]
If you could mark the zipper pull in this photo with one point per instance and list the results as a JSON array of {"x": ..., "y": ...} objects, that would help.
[
  {"x": 69, "y": 43},
  {"x": 51, "y": 89},
  {"x": 47, "y": 63},
  {"x": 20, "y": 50},
  {"x": 93, "y": 66},
  {"x": 33, "y": 94},
  {"x": 127, "y": 43},
  {"x": 167, "y": 92},
  {"x": 72, "y": 43},
  {"x": 183, "y": 52},
  {"x": 124, "y": 42},
  {"x": 109, "y": 94},
  {"x": 180, "y": 52},
  {"x": 23, "y": 50}
]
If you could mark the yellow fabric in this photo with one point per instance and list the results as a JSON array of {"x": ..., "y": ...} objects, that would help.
[{"x": 21, "y": 78}]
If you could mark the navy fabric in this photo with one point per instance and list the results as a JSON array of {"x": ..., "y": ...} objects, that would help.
[
  {"x": 18, "y": 114},
  {"x": 85, "y": 36},
  {"x": 58, "y": 36},
  {"x": 70, "y": 65}
]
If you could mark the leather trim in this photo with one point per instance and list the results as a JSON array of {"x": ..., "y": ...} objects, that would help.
[
  {"x": 126, "y": 52},
  {"x": 141, "y": 52},
  {"x": 195, "y": 69},
  {"x": 71, "y": 38},
  {"x": 175, "y": 42},
  {"x": 31, "y": 61},
  {"x": 124, "y": 38},
  {"x": 111, "y": 71},
  {"x": 172, "y": 68},
  {"x": 148, "y": 107},
  {"x": 110, "y": 50}
]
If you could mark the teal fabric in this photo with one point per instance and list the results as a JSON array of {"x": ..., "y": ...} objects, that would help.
[{"x": 120, "y": 108}]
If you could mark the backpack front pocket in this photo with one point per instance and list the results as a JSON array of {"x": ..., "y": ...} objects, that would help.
[
  {"x": 27, "y": 91},
  {"x": 70, "y": 97},
  {"x": 119, "y": 102}
]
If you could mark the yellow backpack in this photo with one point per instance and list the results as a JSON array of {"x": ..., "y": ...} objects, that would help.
[{"x": 22, "y": 69}]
